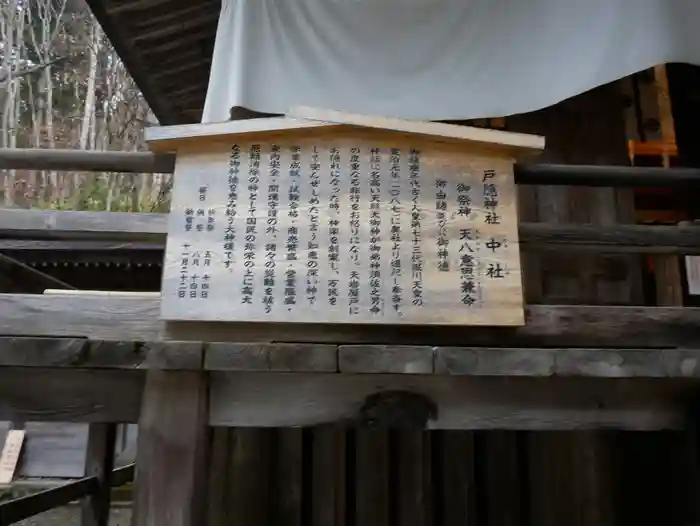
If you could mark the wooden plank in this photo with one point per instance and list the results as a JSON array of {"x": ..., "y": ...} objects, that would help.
[
  {"x": 9, "y": 458},
  {"x": 172, "y": 450},
  {"x": 218, "y": 481},
  {"x": 274, "y": 357},
  {"x": 252, "y": 400},
  {"x": 67, "y": 353},
  {"x": 328, "y": 501},
  {"x": 155, "y": 136},
  {"x": 287, "y": 485},
  {"x": 112, "y": 225},
  {"x": 411, "y": 478},
  {"x": 99, "y": 464},
  {"x": 480, "y": 136},
  {"x": 136, "y": 319},
  {"x": 372, "y": 477},
  {"x": 74, "y": 395},
  {"x": 503, "y": 490},
  {"x": 456, "y": 459},
  {"x": 53, "y": 449},
  {"x": 132, "y": 227},
  {"x": 249, "y": 482},
  {"x": 24, "y": 507},
  {"x": 81, "y": 353},
  {"x": 85, "y": 161},
  {"x": 344, "y": 277},
  {"x": 529, "y": 174},
  {"x": 385, "y": 359}
]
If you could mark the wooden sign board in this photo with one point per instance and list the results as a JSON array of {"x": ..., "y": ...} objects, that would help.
[
  {"x": 10, "y": 455},
  {"x": 342, "y": 225}
]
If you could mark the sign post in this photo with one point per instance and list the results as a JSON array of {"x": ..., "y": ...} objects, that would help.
[{"x": 346, "y": 220}]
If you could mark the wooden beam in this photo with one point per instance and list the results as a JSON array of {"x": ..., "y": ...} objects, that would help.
[
  {"x": 153, "y": 227},
  {"x": 179, "y": 26},
  {"x": 44, "y": 159},
  {"x": 528, "y": 174},
  {"x": 170, "y": 484},
  {"x": 74, "y": 395},
  {"x": 63, "y": 354},
  {"x": 102, "y": 439},
  {"x": 252, "y": 399},
  {"x": 130, "y": 318},
  {"x": 24, "y": 507}
]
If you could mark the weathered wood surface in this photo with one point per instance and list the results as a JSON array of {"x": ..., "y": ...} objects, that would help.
[
  {"x": 531, "y": 174},
  {"x": 85, "y": 161},
  {"x": 76, "y": 395},
  {"x": 76, "y": 355},
  {"x": 249, "y": 399},
  {"x": 170, "y": 483},
  {"x": 62, "y": 230},
  {"x": 136, "y": 319},
  {"x": 99, "y": 464},
  {"x": 252, "y": 399},
  {"x": 51, "y": 450}
]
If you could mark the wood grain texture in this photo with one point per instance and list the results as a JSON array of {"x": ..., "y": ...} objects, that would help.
[
  {"x": 99, "y": 464},
  {"x": 252, "y": 399},
  {"x": 516, "y": 142},
  {"x": 328, "y": 465},
  {"x": 147, "y": 232},
  {"x": 74, "y": 395},
  {"x": 85, "y": 161},
  {"x": 385, "y": 359},
  {"x": 171, "y": 457},
  {"x": 271, "y": 357},
  {"x": 411, "y": 485},
  {"x": 249, "y": 480},
  {"x": 47, "y": 224},
  {"x": 136, "y": 319},
  {"x": 457, "y": 499},
  {"x": 342, "y": 248},
  {"x": 372, "y": 483},
  {"x": 69, "y": 353}
]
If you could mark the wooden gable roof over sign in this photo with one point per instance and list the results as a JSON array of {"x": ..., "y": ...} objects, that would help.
[{"x": 167, "y": 47}]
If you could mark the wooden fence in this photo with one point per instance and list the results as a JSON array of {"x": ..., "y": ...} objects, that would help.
[{"x": 225, "y": 395}]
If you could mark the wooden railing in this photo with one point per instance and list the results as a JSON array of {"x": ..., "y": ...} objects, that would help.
[
  {"x": 116, "y": 343},
  {"x": 95, "y": 488}
]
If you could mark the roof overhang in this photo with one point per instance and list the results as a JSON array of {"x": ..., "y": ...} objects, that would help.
[{"x": 167, "y": 47}]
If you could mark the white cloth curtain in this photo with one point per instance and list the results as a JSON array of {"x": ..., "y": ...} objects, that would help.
[{"x": 437, "y": 59}]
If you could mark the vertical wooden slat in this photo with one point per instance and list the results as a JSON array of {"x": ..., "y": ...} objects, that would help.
[
  {"x": 286, "y": 497},
  {"x": 99, "y": 462},
  {"x": 219, "y": 474},
  {"x": 412, "y": 495},
  {"x": 328, "y": 476},
  {"x": 249, "y": 486},
  {"x": 372, "y": 478},
  {"x": 172, "y": 450},
  {"x": 502, "y": 497},
  {"x": 457, "y": 482}
]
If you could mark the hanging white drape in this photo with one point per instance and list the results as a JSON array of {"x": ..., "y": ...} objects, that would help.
[{"x": 437, "y": 59}]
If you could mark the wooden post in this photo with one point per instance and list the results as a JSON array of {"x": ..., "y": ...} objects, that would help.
[
  {"x": 171, "y": 450},
  {"x": 667, "y": 270},
  {"x": 99, "y": 463}
]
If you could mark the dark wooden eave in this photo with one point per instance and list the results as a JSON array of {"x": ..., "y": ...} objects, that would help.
[{"x": 167, "y": 47}]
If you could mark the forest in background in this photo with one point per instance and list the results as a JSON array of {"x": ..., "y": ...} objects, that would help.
[{"x": 63, "y": 86}]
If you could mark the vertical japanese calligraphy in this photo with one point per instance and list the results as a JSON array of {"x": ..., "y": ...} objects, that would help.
[
  {"x": 334, "y": 218},
  {"x": 395, "y": 235},
  {"x": 416, "y": 219},
  {"x": 234, "y": 166},
  {"x": 251, "y": 226},
  {"x": 344, "y": 230},
  {"x": 354, "y": 238}
]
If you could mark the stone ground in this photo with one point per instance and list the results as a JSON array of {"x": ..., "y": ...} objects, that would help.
[{"x": 70, "y": 516}]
